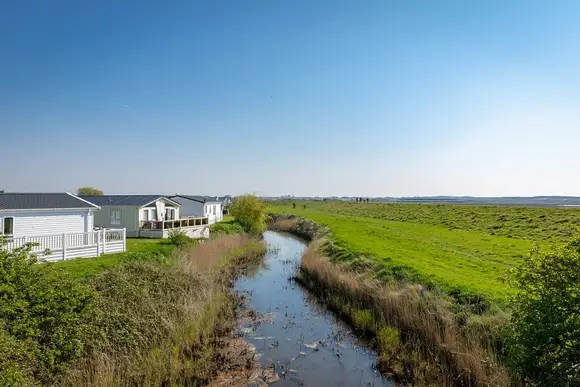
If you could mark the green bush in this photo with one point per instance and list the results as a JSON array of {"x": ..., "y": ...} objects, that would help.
[
  {"x": 226, "y": 228},
  {"x": 44, "y": 317},
  {"x": 250, "y": 213},
  {"x": 178, "y": 238},
  {"x": 544, "y": 333}
]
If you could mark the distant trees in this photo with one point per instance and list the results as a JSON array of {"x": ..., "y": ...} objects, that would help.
[
  {"x": 250, "y": 213},
  {"x": 544, "y": 334},
  {"x": 89, "y": 191}
]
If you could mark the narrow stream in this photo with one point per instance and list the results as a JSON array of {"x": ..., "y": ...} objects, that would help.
[{"x": 307, "y": 344}]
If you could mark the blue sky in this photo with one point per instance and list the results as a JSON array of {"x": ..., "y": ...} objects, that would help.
[{"x": 334, "y": 97}]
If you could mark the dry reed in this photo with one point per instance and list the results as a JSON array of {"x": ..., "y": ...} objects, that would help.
[
  {"x": 179, "y": 325},
  {"x": 432, "y": 347}
]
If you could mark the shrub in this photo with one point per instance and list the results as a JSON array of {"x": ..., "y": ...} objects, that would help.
[
  {"x": 178, "y": 238},
  {"x": 250, "y": 213},
  {"x": 226, "y": 228},
  {"x": 544, "y": 333},
  {"x": 43, "y": 317}
]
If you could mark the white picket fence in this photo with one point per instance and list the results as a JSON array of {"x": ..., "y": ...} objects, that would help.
[{"x": 60, "y": 247}]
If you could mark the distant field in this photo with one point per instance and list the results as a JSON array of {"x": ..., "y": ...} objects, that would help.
[
  {"x": 458, "y": 247},
  {"x": 536, "y": 223}
]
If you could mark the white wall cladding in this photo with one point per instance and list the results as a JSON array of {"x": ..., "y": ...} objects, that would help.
[{"x": 32, "y": 222}]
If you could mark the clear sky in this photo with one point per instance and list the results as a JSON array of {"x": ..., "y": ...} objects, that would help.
[{"x": 303, "y": 97}]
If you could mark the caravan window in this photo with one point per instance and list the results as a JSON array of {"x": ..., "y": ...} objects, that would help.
[
  {"x": 115, "y": 217},
  {"x": 8, "y": 226}
]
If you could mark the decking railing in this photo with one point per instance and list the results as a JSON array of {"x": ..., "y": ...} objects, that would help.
[
  {"x": 58, "y": 247},
  {"x": 169, "y": 224}
]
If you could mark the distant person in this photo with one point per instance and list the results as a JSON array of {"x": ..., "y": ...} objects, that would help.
[
  {"x": 293, "y": 205},
  {"x": 305, "y": 206}
]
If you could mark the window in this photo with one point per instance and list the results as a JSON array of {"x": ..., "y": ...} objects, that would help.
[
  {"x": 8, "y": 226},
  {"x": 145, "y": 215},
  {"x": 115, "y": 217}
]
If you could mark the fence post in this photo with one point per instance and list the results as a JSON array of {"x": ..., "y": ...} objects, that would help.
[
  {"x": 98, "y": 242},
  {"x": 104, "y": 240},
  {"x": 124, "y": 239},
  {"x": 64, "y": 246},
  {"x": 24, "y": 241}
]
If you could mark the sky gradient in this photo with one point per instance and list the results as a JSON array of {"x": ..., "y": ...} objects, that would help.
[{"x": 333, "y": 97}]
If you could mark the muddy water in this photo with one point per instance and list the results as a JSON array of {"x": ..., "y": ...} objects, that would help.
[{"x": 305, "y": 343}]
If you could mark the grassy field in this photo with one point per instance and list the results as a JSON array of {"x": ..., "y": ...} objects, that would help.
[
  {"x": 536, "y": 223},
  {"x": 85, "y": 268},
  {"x": 459, "y": 248}
]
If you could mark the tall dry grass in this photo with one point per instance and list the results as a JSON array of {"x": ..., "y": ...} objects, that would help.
[
  {"x": 417, "y": 336},
  {"x": 283, "y": 225},
  {"x": 160, "y": 325}
]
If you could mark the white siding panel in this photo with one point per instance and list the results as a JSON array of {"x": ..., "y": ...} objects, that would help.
[{"x": 48, "y": 222}]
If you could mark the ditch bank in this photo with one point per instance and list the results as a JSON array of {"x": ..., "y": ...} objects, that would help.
[
  {"x": 416, "y": 332},
  {"x": 170, "y": 322},
  {"x": 295, "y": 335}
]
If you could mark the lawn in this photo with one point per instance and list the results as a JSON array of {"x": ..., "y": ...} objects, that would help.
[
  {"x": 87, "y": 267},
  {"x": 454, "y": 258}
]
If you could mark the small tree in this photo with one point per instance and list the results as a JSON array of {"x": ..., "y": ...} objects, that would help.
[
  {"x": 544, "y": 333},
  {"x": 250, "y": 213},
  {"x": 89, "y": 191}
]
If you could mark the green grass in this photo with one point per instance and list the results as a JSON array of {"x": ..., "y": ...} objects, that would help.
[
  {"x": 83, "y": 268},
  {"x": 536, "y": 223},
  {"x": 454, "y": 259}
]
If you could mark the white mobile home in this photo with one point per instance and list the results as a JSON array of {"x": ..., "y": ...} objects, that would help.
[
  {"x": 24, "y": 214},
  {"x": 55, "y": 226},
  {"x": 192, "y": 205},
  {"x": 146, "y": 216}
]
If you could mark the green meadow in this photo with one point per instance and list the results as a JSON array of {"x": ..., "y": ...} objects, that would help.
[{"x": 463, "y": 248}]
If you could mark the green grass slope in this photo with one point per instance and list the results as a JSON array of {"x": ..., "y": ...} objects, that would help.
[{"x": 455, "y": 259}]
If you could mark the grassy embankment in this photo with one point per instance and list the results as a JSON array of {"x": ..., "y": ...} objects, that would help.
[
  {"x": 462, "y": 249},
  {"x": 421, "y": 333},
  {"x": 125, "y": 319}
]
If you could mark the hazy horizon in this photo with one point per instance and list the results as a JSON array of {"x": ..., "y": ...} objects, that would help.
[{"x": 309, "y": 98}]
